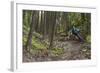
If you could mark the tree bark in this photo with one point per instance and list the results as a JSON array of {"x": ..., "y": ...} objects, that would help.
[
  {"x": 29, "y": 39},
  {"x": 53, "y": 21}
]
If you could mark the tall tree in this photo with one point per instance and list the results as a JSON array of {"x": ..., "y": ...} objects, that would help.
[
  {"x": 44, "y": 25},
  {"x": 53, "y": 21},
  {"x": 29, "y": 39}
]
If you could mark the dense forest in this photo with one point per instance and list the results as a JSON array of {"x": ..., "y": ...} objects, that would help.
[{"x": 53, "y": 36}]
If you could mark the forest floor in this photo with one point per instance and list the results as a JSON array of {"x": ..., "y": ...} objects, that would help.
[{"x": 72, "y": 50}]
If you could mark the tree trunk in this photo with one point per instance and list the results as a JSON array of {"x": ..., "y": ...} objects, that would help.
[
  {"x": 53, "y": 21},
  {"x": 29, "y": 39}
]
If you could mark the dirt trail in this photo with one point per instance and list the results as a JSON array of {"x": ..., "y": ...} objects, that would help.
[{"x": 72, "y": 51}]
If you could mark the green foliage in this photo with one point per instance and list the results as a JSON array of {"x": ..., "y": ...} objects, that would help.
[
  {"x": 24, "y": 40},
  {"x": 88, "y": 39},
  {"x": 26, "y": 17},
  {"x": 75, "y": 18},
  {"x": 26, "y": 29},
  {"x": 37, "y": 44},
  {"x": 37, "y": 35},
  {"x": 57, "y": 51}
]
